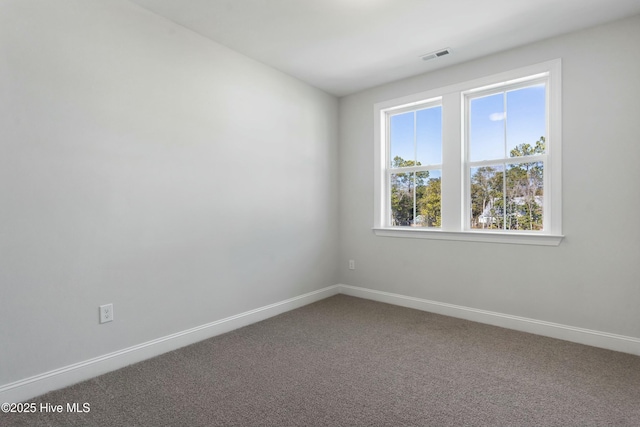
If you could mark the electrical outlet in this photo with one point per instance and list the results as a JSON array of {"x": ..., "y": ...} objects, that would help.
[
  {"x": 106, "y": 313},
  {"x": 352, "y": 264}
]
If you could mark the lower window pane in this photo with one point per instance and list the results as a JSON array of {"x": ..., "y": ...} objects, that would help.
[
  {"x": 524, "y": 196},
  {"x": 416, "y": 199},
  {"x": 428, "y": 199},
  {"x": 487, "y": 197},
  {"x": 402, "y": 200},
  {"x": 507, "y": 199}
]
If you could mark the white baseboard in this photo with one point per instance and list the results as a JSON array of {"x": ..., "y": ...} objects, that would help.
[
  {"x": 554, "y": 330},
  {"x": 39, "y": 384},
  {"x": 58, "y": 378}
]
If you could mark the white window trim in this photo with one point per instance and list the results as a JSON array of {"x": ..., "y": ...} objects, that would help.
[{"x": 454, "y": 217}]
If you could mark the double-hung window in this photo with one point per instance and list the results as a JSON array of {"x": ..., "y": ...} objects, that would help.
[
  {"x": 415, "y": 165},
  {"x": 475, "y": 161}
]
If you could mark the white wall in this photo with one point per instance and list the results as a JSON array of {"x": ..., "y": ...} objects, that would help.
[
  {"x": 145, "y": 166},
  {"x": 592, "y": 280}
]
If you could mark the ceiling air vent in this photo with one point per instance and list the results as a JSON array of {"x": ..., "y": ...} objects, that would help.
[{"x": 436, "y": 54}]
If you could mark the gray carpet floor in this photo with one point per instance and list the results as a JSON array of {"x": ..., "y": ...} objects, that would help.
[{"x": 346, "y": 361}]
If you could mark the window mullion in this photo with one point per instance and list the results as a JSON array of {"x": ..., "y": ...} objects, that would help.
[
  {"x": 451, "y": 184},
  {"x": 504, "y": 196},
  {"x": 415, "y": 162},
  {"x": 504, "y": 173},
  {"x": 415, "y": 191},
  {"x": 415, "y": 138}
]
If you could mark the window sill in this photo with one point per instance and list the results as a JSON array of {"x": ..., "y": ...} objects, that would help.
[{"x": 471, "y": 236}]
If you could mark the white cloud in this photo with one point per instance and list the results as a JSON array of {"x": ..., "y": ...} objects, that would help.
[{"x": 495, "y": 117}]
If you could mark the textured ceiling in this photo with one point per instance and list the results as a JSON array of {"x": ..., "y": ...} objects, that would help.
[{"x": 344, "y": 46}]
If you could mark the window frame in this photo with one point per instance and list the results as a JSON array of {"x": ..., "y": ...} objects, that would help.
[
  {"x": 389, "y": 171},
  {"x": 455, "y": 164}
]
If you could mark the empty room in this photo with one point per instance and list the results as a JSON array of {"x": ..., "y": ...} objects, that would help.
[{"x": 337, "y": 212}]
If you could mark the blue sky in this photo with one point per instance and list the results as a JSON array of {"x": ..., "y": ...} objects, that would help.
[
  {"x": 428, "y": 129},
  {"x": 523, "y": 122}
]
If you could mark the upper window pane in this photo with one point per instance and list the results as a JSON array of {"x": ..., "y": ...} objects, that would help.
[
  {"x": 508, "y": 124},
  {"x": 486, "y": 127},
  {"x": 402, "y": 141},
  {"x": 526, "y": 120},
  {"x": 429, "y": 136},
  {"x": 416, "y": 138}
]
